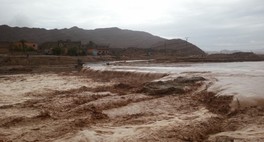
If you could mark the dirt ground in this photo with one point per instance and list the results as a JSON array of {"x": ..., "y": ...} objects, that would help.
[{"x": 104, "y": 106}]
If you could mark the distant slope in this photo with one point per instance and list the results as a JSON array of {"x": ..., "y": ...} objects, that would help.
[
  {"x": 179, "y": 45},
  {"x": 259, "y": 51},
  {"x": 115, "y": 37}
]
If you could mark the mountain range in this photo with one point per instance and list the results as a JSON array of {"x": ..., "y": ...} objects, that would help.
[{"x": 114, "y": 37}]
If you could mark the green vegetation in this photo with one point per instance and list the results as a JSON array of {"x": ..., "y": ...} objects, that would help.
[
  {"x": 57, "y": 51},
  {"x": 73, "y": 51}
]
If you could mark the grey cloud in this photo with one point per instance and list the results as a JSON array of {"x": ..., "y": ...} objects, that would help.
[
  {"x": 212, "y": 25},
  {"x": 21, "y": 20}
]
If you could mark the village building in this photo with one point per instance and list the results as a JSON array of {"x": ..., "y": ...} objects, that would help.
[
  {"x": 98, "y": 50},
  {"x": 74, "y": 48},
  {"x": 25, "y": 44},
  {"x": 19, "y": 46}
]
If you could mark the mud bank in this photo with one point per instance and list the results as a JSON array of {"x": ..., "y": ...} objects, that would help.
[{"x": 120, "y": 106}]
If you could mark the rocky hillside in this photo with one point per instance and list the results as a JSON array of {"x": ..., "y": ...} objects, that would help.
[{"x": 114, "y": 37}]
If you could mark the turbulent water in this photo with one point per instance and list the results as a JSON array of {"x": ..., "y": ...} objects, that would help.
[
  {"x": 130, "y": 106},
  {"x": 245, "y": 80}
]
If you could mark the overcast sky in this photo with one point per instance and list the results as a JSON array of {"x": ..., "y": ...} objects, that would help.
[{"x": 210, "y": 24}]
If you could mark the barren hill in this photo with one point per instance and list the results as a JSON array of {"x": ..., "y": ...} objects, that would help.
[{"x": 114, "y": 37}]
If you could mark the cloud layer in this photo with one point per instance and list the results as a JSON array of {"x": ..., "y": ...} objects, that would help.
[{"x": 212, "y": 25}]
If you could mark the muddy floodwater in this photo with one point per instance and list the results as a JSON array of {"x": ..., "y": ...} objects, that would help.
[
  {"x": 135, "y": 101},
  {"x": 244, "y": 80}
]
